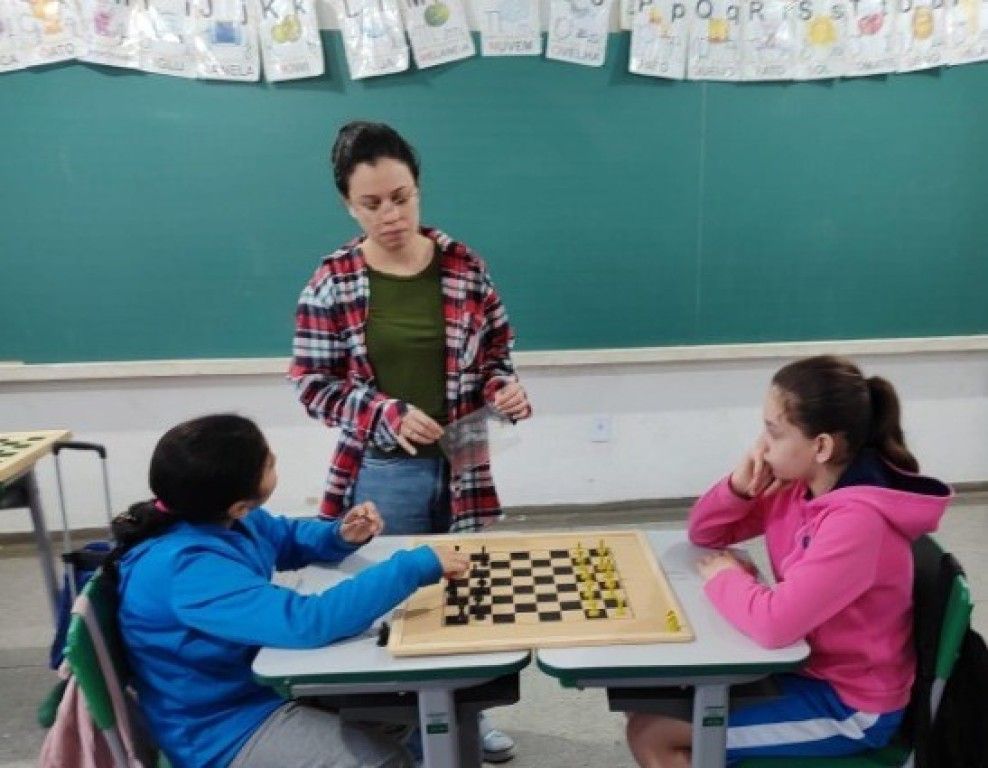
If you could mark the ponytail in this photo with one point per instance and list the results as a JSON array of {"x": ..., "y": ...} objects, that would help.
[
  {"x": 886, "y": 435},
  {"x": 828, "y": 394},
  {"x": 141, "y": 521}
]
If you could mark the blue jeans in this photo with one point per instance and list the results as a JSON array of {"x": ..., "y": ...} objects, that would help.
[{"x": 411, "y": 494}]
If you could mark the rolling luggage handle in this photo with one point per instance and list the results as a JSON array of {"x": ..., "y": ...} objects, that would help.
[{"x": 82, "y": 559}]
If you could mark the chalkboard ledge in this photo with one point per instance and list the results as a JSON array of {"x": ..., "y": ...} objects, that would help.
[{"x": 561, "y": 358}]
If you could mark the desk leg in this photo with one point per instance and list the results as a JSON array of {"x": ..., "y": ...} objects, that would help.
[
  {"x": 709, "y": 726},
  {"x": 440, "y": 734},
  {"x": 42, "y": 542}
]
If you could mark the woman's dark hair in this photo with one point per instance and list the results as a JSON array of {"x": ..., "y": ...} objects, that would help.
[
  {"x": 362, "y": 142},
  {"x": 828, "y": 394},
  {"x": 199, "y": 469}
]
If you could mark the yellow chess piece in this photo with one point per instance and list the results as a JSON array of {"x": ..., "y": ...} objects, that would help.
[
  {"x": 672, "y": 621},
  {"x": 592, "y": 608}
]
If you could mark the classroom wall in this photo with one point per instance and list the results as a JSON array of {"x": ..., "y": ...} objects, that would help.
[{"x": 676, "y": 427}]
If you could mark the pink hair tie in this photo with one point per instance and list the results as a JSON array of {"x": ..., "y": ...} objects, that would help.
[{"x": 160, "y": 506}]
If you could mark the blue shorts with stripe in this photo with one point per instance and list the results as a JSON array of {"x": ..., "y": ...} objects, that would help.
[{"x": 806, "y": 720}]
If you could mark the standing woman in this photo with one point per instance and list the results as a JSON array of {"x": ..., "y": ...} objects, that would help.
[{"x": 399, "y": 332}]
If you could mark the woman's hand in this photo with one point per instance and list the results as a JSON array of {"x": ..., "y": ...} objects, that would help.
[
  {"x": 361, "y": 524},
  {"x": 712, "y": 564},
  {"x": 417, "y": 428},
  {"x": 512, "y": 401},
  {"x": 454, "y": 562},
  {"x": 753, "y": 475}
]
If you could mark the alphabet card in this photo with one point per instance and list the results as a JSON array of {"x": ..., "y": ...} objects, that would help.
[
  {"x": 578, "y": 31},
  {"x": 225, "y": 40},
  {"x": 659, "y": 38},
  {"x": 290, "y": 44},
  {"x": 769, "y": 47},
  {"x": 821, "y": 34},
  {"x": 111, "y": 33},
  {"x": 47, "y": 31},
  {"x": 968, "y": 29},
  {"x": 923, "y": 34},
  {"x": 438, "y": 31},
  {"x": 872, "y": 41},
  {"x": 373, "y": 37},
  {"x": 164, "y": 32},
  {"x": 10, "y": 57},
  {"x": 715, "y": 41},
  {"x": 508, "y": 27}
]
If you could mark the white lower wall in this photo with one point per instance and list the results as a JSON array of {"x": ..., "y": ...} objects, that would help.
[{"x": 676, "y": 427}]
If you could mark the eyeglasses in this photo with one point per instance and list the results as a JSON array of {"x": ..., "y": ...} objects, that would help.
[{"x": 377, "y": 207}]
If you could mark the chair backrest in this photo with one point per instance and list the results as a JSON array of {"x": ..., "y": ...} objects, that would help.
[
  {"x": 956, "y": 621},
  {"x": 94, "y": 652},
  {"x": 941, "y": 616},
  {"x": 94, "y": 622}
]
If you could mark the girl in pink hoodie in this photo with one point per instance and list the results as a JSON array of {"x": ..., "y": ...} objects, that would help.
[{"x": 837, "y": 495}]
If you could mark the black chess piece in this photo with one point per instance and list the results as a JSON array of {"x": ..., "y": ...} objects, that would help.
[{"x": 383, "y": 633}]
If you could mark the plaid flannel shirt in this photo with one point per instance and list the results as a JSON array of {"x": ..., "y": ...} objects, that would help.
[{"x": 335, "y": 381}]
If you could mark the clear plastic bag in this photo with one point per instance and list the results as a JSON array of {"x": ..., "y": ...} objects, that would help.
[{"x": 474, "y": 439}]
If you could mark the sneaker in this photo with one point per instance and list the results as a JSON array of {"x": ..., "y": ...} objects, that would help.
[{"x": 498, "y": 746}]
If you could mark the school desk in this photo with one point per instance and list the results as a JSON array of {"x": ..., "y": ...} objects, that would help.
[
  {"x": 19, "y": 452},
  {"x": 360, "y": 676},
  {"x": 718, "y": 658}
]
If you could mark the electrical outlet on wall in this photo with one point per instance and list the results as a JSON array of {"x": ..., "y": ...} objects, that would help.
[{"x": 600, "y": 429}]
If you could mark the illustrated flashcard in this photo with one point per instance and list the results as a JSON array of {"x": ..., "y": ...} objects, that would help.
[
  {"x": 659, "y": 37},
  {"x": 47, "y": 31},
  {"x": 715, "y": 41},
  {"x": 438, "y": 31},
  {"x": 508, "y": 27},
  {"x": 225, "y": 40},
  {"x": 10, "y": 56},
  {"x": 821, "y": 25},
  {"x": 626, "y": 13},
  {"x": 968, "y": 29},
  {"x": 769, "y": 47},
  {"x": 871, "y": 41},
  {"x": 923, "y": 34},
  {"x": 291, "y": 48},
  {"x": 165, "y": 31},
  {"x": 373, "y": 37},
  {"x": 578, "y": 31},
  {"x": 111, "y": 32}
]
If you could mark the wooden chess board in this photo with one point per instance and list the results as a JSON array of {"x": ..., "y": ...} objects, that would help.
[
  {"x": 540, "y": 591},
  {"x": 20, "y": 450}
]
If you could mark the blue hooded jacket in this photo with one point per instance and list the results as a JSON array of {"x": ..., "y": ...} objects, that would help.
[{"x": 197, "y": 602}]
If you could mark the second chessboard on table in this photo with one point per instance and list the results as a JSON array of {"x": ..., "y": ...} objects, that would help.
[
  {"x": 540, "y": 591},
  {"x": 19, "y": 451}
]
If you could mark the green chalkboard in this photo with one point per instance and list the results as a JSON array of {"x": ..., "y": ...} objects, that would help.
[{"x": 145, "y": 217}]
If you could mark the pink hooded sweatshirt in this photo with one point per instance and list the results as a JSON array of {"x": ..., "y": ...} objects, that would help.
[{"x": 844, "y": 571}]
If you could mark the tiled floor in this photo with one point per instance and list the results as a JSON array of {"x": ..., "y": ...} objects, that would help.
[{"x": 553, "y": 727}]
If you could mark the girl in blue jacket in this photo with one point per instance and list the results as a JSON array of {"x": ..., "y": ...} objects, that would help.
[{"x": 194, "y": 567}]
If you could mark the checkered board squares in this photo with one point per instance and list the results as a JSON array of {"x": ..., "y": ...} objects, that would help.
[
  {"x": 542, "y": 590},
  {"x": 20, "y": 450},
  {"x": 530, "y": 586}
]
